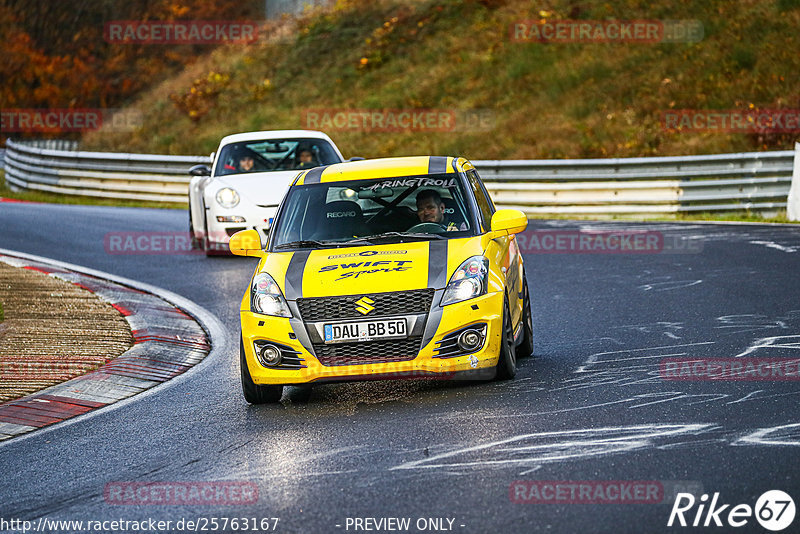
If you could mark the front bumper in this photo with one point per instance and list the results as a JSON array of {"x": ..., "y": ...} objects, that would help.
[
  {"x": 255, "y": 217},
  {"x": 284, "y": 332}
]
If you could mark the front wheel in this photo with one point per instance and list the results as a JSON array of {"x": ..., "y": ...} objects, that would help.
[
  {"x": 212, "y": 248},
  {"x": 254, "y": 393},
  {"x": 507, "y": 363},
  {"x": 196, "y": 243},
  {"x": 527, "y": 321}
]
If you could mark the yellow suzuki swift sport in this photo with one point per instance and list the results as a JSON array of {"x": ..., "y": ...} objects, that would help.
[{"x": 382, "y": 269}]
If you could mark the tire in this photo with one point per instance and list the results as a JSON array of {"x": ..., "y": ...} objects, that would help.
[
  {"x": 253, "y": 393},
  {"x": 526, "y": 347},
  {"x": 206, "y": 242},
  {"x": 210, "y": 248},
  {"x": 507, "y": 363},
  {"x": 196, "y": 244}
]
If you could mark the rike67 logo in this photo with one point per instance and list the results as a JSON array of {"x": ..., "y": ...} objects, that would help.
[{"x": 774, "y": 511}]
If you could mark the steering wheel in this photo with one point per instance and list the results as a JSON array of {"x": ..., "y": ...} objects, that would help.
[{"x": 427, "y": 228}]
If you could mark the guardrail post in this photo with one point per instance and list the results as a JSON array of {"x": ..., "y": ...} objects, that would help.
[{"x": 793, "y": 203}]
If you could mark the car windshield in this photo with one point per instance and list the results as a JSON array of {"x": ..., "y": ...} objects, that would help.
[
  {"x": 274, "y": 155},
  {"x": 373, "y": 211}
]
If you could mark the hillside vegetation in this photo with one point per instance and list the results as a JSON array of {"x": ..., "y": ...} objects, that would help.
[
  {"x": 55, "y": 54},
  {"x": 544, "y": 100}
]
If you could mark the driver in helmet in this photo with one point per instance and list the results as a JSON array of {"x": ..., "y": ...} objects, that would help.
[
  {"x": 430, "y": 209},
  {"x": 305, "y": 159},
  {"x": 240, "y": 160}
]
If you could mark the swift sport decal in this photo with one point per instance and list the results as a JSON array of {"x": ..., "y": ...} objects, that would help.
[{"x": 355, "y": 270}]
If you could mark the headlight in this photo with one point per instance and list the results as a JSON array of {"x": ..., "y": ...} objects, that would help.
[
  {"x": 469, "y": 281},
  {"x": 227, "y": 197},
  {"x": 266, "y": 297}
]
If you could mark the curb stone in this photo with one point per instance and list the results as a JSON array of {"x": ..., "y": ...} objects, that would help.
[{"x": 167, "y": 343}]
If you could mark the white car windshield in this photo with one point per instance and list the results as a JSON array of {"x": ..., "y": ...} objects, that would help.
[
  {"x": 274, "y": 155},
  {"x": 373, "y": 211}
]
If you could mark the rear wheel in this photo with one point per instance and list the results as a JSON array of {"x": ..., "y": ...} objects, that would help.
[
  {"x": 507, "y": 364},
  {"x": 254, "y": 393},
  {"x": 526, "y": 348}
]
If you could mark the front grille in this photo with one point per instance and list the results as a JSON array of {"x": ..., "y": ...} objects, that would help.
[
  {"x": 366, "y": 352},
  {"x": 393, "y": 303}
]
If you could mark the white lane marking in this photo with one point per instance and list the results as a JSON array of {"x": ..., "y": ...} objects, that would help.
[
  {"x": 531, "y": 470},
  {"x": 652, "y": 327},
  {"x": 669, "y": 286},
  {"x": 771, "y": 342},
  {"x": 746, "y": 397},
  {"x": 788, "y": 435},
  {"x": 591, "y": 360},
  {"x": 544, "y": 447},
  {"x": 776, "y": 246}
]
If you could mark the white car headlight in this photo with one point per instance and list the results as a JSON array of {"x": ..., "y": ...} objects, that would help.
[
  {"x": 227, "y": 197},
  {"x": 266, "y": 297},
  {"x": 469, "y": 281}
]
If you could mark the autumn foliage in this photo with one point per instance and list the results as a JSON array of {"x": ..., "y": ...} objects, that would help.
[{"x": 53, "y": 55}]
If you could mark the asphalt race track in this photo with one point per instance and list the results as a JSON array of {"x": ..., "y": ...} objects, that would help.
[{"x": 590, "y": 406}]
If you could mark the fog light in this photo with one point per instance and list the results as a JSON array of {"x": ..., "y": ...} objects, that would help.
[
  {"x": 269, "y": 355},
  {"x": 470, "y": 340},
  {"x": 230, "y": 219}
]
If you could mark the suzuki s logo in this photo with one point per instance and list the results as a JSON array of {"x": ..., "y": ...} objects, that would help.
[{"x": 365, "y": 305}]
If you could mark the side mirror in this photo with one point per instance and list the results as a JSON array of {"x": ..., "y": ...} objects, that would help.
[
  {"x": 355, "y": 158},
  {"x": 507, "y": 221},
  {"x": 200, "y": 170},
  {"x": 246, "y": 243}
]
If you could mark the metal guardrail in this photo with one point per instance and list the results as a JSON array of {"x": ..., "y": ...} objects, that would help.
[
  {"x": 758, "y": 181},
  {"x": 723, "y": 182},
  {"x": 99, "y": 174}
]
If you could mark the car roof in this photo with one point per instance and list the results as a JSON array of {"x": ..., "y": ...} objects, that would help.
[
  {"x": 383, "y": 168},
  {"x": 273, "y": 134}
]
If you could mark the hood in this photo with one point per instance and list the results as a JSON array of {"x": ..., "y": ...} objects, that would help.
[
  {"x": 369, "y": 269},
  {"x": 262, "y": 188}
]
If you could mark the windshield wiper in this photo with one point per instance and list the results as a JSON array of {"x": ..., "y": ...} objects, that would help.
[
  {"x": 393, "y": 235},
  {"x": 304, "y": 243}
]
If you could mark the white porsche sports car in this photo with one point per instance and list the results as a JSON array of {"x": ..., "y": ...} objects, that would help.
[{"x": 249, "y": 174}]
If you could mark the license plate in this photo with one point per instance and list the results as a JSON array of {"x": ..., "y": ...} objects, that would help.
[{"x": 365, "y": 331}]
